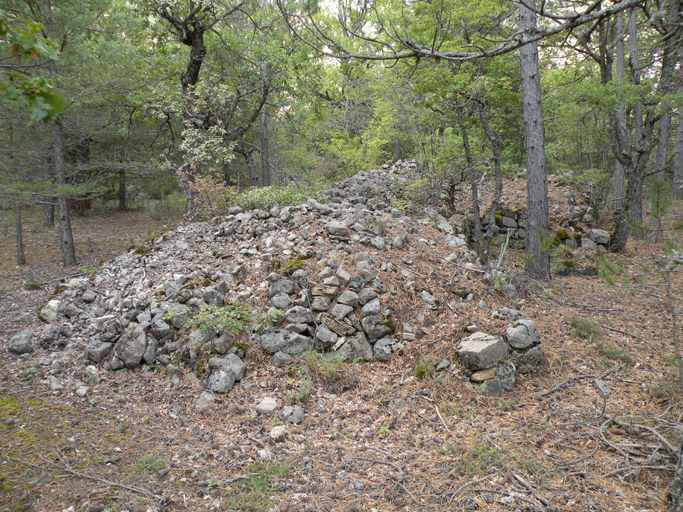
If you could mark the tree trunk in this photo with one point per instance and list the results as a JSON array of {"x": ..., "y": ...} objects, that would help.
[
  {"x": 538, "y": 264},
  {"x": 618, "y": 177},
  {"x": 122, "y": 191},
  {"x": 476, "y": 212},
  {"x": 21, "y": 259},
  {"x": 66, "y": 236},
  {"x": 48, "y": 201},
  {"x": 498, "y": 188},
  {"x": 634, "y": 196},
  {"x": 265, "y": 163},
  {"x": 664, "y": 87},
  {"x": 678, "y": 157}
]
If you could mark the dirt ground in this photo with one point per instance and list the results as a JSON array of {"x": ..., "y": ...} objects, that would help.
[{"x": 375, "y": 437}]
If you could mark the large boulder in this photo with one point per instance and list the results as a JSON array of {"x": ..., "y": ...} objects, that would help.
[{"x": 480, "y": 350}]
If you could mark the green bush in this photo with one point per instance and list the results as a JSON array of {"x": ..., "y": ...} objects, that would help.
[
  {"x": 234, "y": 318},
  {"x": 584, "y": 328},
  {"x": 264, "y": 197}
]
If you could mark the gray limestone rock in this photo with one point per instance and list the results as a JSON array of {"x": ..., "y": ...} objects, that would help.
[
  {"x": 267, "y": 406},
  {"x": 230, "y": 362},
  {"x": 373, "y": 307},
  {"x": 326, "y": 336},
  {"x": 384, "y": 349},
  {"x": 366, "y": 295},
  {"x": 279, "y": 434},
  {"x": 220, "y": 381},
  {"x": 96, "y": 351},
  {"x": 160, "y": 329},
  {"x": 213, "y": 297},
  {"x": 299, "y": 315},
  {"x": 506, "y": 313},
  {"x": 528, "y": 360},
  {"x": 92, "y": 376},
  {"x": 178, "y": 315},
  {"x": 284, "y": 341},
  {"x": 321, "y": 304},
  {"x": 503, "y": 381},
  {"x": 374, "y": 225},
  {"x": 280, "y": 301},
  {"x": 72, "y": 311},
  {"x": 336, "y": 228},
  {"x": 205, "y": 399},
  {"x": 378, "y": 243},
  {"x": 376, "y": 326},
  {"x": 50, "y": 312},
  {"x": 349, "y": 298},
  {"x": 599, "y": 236},
  {"x": 150, "y": 354},
  {"x": 480, "y": 350},
  {"x": 356, "y": 348},
  {"x": 284, "y": 286},
  {"x": 280, "y": 359},
  {"x": 292, "y": 414},
  {"x": 21, "y": 343},
  {"x": 130, "y": 348},
  {"x": 522, "y": 334},
  {"x": 341, "y": 311}
]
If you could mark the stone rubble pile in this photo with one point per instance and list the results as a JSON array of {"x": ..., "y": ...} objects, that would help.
[
  {"x": 493, "y": 363},
  {"x": 137, "y": 311}
]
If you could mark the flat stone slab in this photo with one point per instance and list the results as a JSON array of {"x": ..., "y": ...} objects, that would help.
[{"x": 480, "y": 351}]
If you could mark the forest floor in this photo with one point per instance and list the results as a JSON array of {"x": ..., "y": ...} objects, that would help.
[{"x": 375, "y": 438}]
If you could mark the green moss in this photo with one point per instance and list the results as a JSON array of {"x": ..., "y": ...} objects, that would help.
[
  {"x": 560, "y": 237},
  {"x": 201, "y": 369},
  {"x": 389, "y": 323},
  {"x": 31, "y": 284},
  {"x": 577, "y": 238},
  {"x": 59, "y": 289},
  {"x": 293, "y": 267},
  {"x": 206, "y": 282},
  {"x": 238, "y": 346},
  {"x": 141, "y": 251},
  {"x": 425, "y": 368},
  {"x": 569, "y": 263}
]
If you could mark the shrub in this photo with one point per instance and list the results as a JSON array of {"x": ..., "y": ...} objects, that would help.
[{"x": 584, "y": 328}]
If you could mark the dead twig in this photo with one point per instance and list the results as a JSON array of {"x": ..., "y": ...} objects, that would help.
[
  {"x": 622, "y": 332},
  {"x": 531, "y": 489},
  {"x": 442, "y": 421}
]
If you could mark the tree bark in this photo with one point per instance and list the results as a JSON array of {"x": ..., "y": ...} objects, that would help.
[
  {"x": 122, "y": 191},
  {"x": 265, "y": 163},
  {"x": 471, "y": 175},
  {"x": 538, "y": 264},
  {"x": 494, "y": 140},
  {"x": 618, "y": 177},
  {"x": 21, "y": 259},
  {"x": 65, "y": 233},
  {"x": 669, "y": 55},
  {"x": 634, "y": 196},
  {"x": 678, "y": 158}
]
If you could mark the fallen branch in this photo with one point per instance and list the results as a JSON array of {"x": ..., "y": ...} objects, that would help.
[
  {"x": 622, "y": 332},
  {"x": 531, "y": 489}
]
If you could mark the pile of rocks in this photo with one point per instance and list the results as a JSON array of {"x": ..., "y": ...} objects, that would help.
[
  {"x": 340, "y": 313},
  {"x": 492, "y": 363},
  {"x": 508, "y": 223}
]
